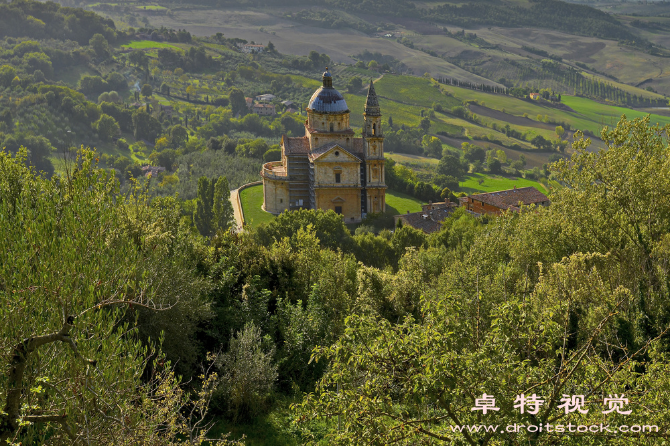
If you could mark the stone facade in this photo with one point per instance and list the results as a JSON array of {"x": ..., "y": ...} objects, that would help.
[{"x": 328, "y": 168}]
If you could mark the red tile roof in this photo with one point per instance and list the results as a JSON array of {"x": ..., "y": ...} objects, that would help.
[{"x": 295, "y": 146}]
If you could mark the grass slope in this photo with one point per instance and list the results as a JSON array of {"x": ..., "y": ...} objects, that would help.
[
  {"x": 493, "y": 183},
  {"x": 144, "y": 44},
  {"x": 252, "y": 200}
]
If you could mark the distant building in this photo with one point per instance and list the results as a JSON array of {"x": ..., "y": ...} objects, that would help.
[
  {"x": 495, "y": 203},
  {"x": 329, "y": 168},
  {"x": 265, "y": 97},
  {"x": 152, "y": 170},
  {"x": 250, "y": 102},
  {"x": 263, "y": 109},
  {"x": 534, "y": 96},
  {"x": 430, "y": 218},
  {"x": 167, "y": 109},
  {"x": 252, "y": 48}
]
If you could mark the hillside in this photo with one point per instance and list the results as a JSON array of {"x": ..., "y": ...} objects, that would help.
[{"x": 491, "y": 42}]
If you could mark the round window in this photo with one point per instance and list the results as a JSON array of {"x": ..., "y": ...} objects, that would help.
[{"x": 337, "y": 153}]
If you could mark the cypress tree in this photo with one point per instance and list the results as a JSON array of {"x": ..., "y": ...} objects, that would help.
[
  {"x": 222, "y": 207},
  {"x": 202, "y": 216}
]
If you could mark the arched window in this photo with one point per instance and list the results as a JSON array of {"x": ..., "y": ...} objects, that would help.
[
  {"x": 374, "y": 129},
  {"x": 332, "y": 127}
]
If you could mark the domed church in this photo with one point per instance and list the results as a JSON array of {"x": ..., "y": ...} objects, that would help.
[{"x": 328, "y": 168}]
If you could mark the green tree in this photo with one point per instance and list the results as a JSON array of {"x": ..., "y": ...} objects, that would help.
[
  {"x": 147, "y": 91},
  {"x": 99, "y": 45},
  {"x": 7, "y": 74},
  {"x": 145, "y": 126},
  {"x": 138, "y": 58},
  {"x": 222, "y": 208},
  {"x": 560, "y": 131},
  {"x": 355, "y": 84},
  {"x": 73, "y": 367},
  {"x": 432, "y": 146},
  {"x": 107, "y": 127},
  {"x": 203, "y": 214},
  {"x": 425, "y": 124},
  {"x": 238, "y": 102}
]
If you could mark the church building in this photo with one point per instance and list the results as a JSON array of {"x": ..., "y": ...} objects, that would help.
[{"x": 328, "y": 168}]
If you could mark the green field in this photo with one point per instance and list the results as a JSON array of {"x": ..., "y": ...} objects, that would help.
[
  {"x": 493, "y": 183},
  {"x": 252, "y": 200},
  {"x": 409, "y": 159},
  {"x": 400, "y": 203},
  {"x": 145, "y": 44},
  {"x": 607, "y": 114}
]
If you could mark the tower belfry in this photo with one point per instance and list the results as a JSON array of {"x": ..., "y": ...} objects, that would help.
[{"x": 375, "y": 186}]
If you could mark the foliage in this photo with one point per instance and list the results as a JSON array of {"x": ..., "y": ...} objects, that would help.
[
  {"x": 566, "y": 299},
  {"x": 74, "y": 369},
  {"x": 247, "y": 374}
]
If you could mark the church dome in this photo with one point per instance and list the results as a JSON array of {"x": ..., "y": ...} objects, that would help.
[{"x": 326, "y": 99}]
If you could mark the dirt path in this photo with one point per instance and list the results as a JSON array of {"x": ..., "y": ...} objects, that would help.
[{"x": 234, "y": 199}]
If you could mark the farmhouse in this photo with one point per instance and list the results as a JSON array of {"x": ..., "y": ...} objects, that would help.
[
  {"x": 328, "y": 168},
  {"x": 265, "y": 97},
  {"x": 494, "y": 203},
  {"x": 263, "y": 109},
  {"x": 430, "y": 218},
  {"x": 252, "y": 48},
  {"x": 534, "y": 96}
]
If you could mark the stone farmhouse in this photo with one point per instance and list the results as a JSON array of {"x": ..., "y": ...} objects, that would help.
[{"x": 495, "y": 203}]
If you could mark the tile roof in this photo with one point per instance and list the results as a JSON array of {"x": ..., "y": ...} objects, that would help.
[
  {"x": 512, "y": 197},
  {"x": 427, "y": 222},
  {"x": 295, "y": 146}
]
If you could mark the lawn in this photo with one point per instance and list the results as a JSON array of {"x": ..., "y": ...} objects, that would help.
[
  {"x": 493, "y": 183},
  {"x": 144, "y": 44},
  {"x": 400, "y": 203},
  {"x": 252, "y": 200}
]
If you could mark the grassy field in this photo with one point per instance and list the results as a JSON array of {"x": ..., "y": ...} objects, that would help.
[
  {"x": 607, "y": 114},
  {"x": 408, "y": 159},
  {"x": 252, "y": 200},
  {"x": 145, "y": 44},
  {"x": 400, "y": 203},
  {"x": 493, "y": 183}
]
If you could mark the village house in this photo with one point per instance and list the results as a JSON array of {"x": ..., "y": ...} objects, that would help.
[
  {"x": 534, "y": 96},
  {"x": 152, "y": 170},
  {"x": 263, "y": 109},
  {"x": 248, "y": 48},
  {"x": 495, "y": 203},
  {"x": 265, "y": 97},
  {"x": 430, "y": 218},
  {"x": 250, "y": 102}
]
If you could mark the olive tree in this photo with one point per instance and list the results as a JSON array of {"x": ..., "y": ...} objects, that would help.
[{"x": 71, "y": 266}]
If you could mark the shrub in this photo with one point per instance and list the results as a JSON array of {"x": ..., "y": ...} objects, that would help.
[{"x": 247, "y": 374}]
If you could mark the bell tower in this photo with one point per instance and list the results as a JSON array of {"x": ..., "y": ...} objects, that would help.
[{"x": 375, "y": 186}]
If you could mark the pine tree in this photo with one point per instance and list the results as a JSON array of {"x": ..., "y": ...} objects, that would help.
[{"x": 222, "y": 207}]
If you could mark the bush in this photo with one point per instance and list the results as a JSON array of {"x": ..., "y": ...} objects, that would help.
[{"x": 247, "y": 375}]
